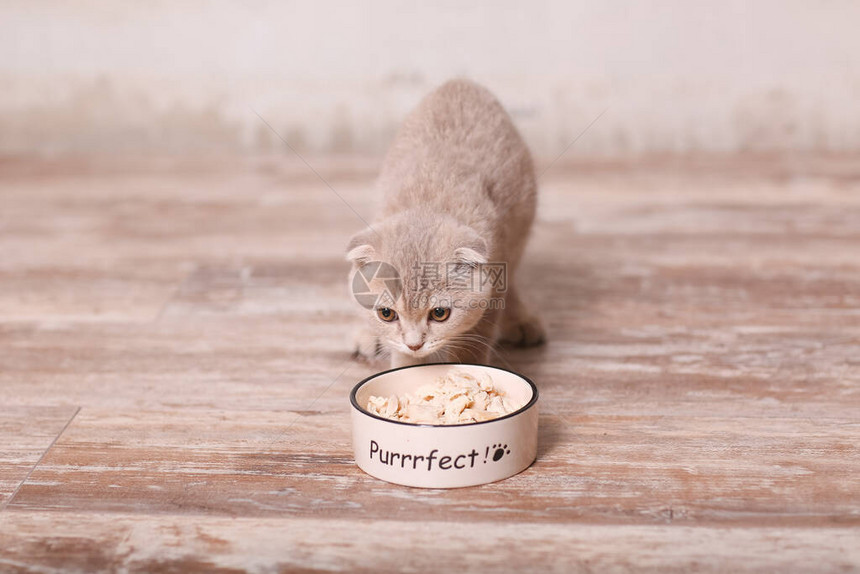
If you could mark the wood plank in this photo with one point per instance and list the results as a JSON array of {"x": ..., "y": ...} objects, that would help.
[{"x": 74, "y": 541}]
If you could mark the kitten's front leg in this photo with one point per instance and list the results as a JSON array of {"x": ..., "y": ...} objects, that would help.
[
  {"x": 519, "y": 326},
  {"x": 366, "y": 346}
]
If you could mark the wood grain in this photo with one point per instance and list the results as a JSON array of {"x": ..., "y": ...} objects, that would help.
[{"x": 700, "y": 389}]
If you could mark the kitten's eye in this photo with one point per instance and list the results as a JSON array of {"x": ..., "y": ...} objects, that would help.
[
  {"x": 440, "y": 314},
  {"x": 386, "y": 314}
]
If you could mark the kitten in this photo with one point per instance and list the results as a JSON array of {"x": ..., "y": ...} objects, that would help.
[{"x": 459, "y": 198}]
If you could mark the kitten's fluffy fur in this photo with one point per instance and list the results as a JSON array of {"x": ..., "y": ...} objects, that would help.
[{"x": 459, "y": 189}]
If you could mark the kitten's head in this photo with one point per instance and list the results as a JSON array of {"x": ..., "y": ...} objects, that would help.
[{"x": 441, "y": 297}]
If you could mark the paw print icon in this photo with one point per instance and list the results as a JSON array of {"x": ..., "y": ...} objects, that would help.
[{"x": 499, "y": 450}]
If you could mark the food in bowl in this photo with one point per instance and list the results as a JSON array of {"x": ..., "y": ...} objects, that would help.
[{"x": 457, "y": 397}]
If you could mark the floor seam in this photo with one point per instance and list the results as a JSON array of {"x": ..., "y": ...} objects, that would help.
[{"x": 38, "y": 462}]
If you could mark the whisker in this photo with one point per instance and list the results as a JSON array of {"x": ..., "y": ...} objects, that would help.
[
  {"x": 484, "y": 342},
  {"x": 475, "y": 344}
]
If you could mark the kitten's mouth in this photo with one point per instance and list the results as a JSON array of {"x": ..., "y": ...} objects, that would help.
[{"x": 422, "y": 352}]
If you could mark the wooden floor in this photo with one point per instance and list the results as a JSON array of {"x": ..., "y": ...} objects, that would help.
[{"x": 174, "y": 371}]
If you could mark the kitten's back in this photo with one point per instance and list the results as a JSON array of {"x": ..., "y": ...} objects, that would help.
[{"x": 459, "y": 152}]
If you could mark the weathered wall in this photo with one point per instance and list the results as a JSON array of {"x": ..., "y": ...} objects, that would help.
[{"x": 673, "y": 76}]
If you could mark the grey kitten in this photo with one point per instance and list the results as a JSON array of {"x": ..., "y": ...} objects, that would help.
[{"x": 459, "y": 194}]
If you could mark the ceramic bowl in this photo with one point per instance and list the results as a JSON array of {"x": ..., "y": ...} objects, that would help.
[{"x": 443, "y": 456}]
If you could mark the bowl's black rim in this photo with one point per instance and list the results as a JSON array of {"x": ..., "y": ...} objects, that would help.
[{"x": 519, "y": 411}]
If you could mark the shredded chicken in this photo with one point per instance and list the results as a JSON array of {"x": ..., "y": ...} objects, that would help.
[{"x": 455, "y": 398}]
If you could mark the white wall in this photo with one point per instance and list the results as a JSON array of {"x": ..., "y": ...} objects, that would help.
[{"x": 673, "y": 76}]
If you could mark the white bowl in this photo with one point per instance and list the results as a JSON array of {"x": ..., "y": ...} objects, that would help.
[{"x": 443, "y": 456}]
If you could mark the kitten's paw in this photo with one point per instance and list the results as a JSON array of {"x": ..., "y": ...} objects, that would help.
[
  {"x": 524, "y": 332},
  {"x": 366, "y": 346}
]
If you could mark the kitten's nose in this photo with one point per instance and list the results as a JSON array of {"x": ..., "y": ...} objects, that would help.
[{"x": 416, "y": 347}]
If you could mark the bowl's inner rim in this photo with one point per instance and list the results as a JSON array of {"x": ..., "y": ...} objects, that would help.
[{"x": 531, "y": 402}]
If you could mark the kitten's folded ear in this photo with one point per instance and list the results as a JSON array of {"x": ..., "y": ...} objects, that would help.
[
  {"x": 473, "y": 254},
  {"x": 360, "y": 250}
]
